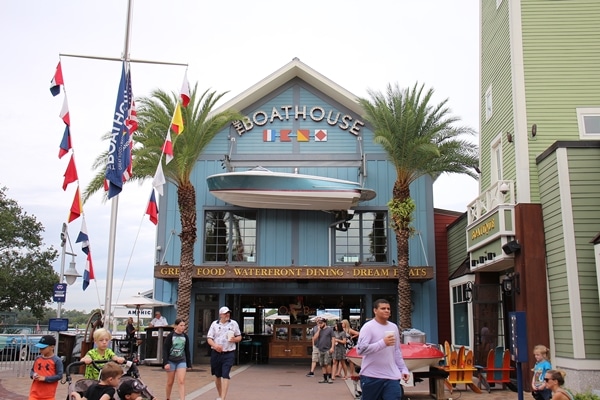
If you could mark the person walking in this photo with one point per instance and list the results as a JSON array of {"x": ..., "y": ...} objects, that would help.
[
  {"x": 382, "y": 363},
  {"x": 324, "y": 339},
  {"x": 222, "y": 336},
  {"x": 46, "y": 371},
  {"x": 352, "y": 337},
  {"x": 555, "y": 379},
  {"x": 340, "y": 339},
  {"x": 315, "y": 351},
  {"x": 176, "y": 358}
]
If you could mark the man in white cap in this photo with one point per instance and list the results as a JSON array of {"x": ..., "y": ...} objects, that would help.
[{"x": 222, "y": 336}]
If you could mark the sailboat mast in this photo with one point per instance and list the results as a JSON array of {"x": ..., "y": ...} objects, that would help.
[{"x": 115, "y": 200}]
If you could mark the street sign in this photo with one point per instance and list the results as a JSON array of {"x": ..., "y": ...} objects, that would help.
[{"x": 60, "y": 293}]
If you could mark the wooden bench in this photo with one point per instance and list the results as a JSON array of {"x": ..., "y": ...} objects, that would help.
[{"x": 460, "y": 368}]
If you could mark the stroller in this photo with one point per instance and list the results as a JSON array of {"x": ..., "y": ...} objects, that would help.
[
  {"x": 131, "y": 372},
  {"x": 128, "y": 348}
]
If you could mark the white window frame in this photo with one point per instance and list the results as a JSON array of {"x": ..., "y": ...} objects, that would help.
[
  {"x": 583, "y": 112},
  {"x": 459, "y": 282},
  {"x": 496, "y": 160},
  {"x": 489, "y": 109}
]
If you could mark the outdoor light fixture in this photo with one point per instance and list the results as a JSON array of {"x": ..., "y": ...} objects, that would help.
[
  {"x": 468, "y": 291},
  {"x": 71, "y": 273},
  {"x": 511, "y": 284}
]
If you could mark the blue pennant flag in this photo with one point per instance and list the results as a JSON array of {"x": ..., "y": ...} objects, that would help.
[{"x": 118, "y": 151}]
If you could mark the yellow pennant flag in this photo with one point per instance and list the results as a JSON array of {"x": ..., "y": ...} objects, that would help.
[{"x": 177, "y": 121}]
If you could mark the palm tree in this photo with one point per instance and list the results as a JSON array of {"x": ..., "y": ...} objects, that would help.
[
  {"x": 200, "y": 127},
  {"x": 420, "y": 139}
]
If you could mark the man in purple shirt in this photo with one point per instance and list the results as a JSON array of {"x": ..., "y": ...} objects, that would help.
[{"x": 382, "y": 363}]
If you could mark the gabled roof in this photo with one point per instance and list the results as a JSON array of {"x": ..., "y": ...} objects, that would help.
[{"x": 294, "y": 69}]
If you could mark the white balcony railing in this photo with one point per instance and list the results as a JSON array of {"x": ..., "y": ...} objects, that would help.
[{"x": 502, "y": 192}]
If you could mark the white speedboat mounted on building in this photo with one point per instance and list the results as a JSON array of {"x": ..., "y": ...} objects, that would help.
[{"x": 261, "y": 188}]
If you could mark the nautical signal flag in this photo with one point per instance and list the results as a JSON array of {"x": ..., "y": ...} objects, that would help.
[
  {"x": 152, "y": 209},
  {"x": 56, "y": 81},
  {"x": 159, "y": 179},
  {"x": 83, "y": 237},
  {"x": 168, "y": 148},
  {"x": 302, "y": 135},
  {"x": 269, "y": 135},
  {"x": 71, "y": 173},
  {"x": 64, "y": 112},
  {"x": 88, "y": 273},
  {"x": 65, "y": 143},
  {"x": 185, "y": 91},
  {"x": 76, "y": 207},
  {"x": 177, "y": 121}
]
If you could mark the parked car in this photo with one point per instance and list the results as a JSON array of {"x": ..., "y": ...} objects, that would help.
[{"x": 18, "y": 344}]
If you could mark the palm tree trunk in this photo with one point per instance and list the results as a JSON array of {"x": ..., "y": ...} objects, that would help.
[
  {"x": 186, "y": 196},
  {"x": 402, "y": 228},
  {"x": 404, "y": 291}
]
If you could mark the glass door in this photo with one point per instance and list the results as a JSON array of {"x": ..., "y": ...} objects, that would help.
[{"x": 207, "y": 311}]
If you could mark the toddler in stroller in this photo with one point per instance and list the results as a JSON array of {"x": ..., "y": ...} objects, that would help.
[{"x": 128, "y": 387}]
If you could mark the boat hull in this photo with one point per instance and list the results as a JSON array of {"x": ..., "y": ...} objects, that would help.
[
  {"x": 278, "y": 190},
  {"x": 418, "y": 357}
]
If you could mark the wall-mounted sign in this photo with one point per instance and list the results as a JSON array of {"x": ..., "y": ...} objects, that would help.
[
  {"x": 228, "y": 272},
  {"x": 288, "y": 113}
]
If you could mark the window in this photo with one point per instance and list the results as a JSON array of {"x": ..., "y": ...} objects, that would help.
[
  {"x": 496, "y": 161},
  {"x": 230, "y": 236},
  {"x": 362, "y": 239},
  {"x": 460, "y": 311},
  {"x": 588, "y": 120},
  {"x": 488, "y": 103}
]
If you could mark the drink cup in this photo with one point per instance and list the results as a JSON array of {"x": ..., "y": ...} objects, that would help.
[
  {"x": 389, "y": 333},
  {"x": 229, "y": 335}
]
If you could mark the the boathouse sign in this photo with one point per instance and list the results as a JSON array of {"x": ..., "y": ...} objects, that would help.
[
  {"x": 286, "y": 112},
  {"x": 294, "y": 272}
]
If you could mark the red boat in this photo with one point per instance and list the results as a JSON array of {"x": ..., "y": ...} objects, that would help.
[{"x": 417, "y": 356}]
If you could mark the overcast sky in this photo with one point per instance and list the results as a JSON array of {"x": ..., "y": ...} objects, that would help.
[{"x": 229, "y": 46}]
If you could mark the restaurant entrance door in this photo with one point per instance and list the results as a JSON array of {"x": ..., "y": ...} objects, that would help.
[{"x": 207, "y": 311}]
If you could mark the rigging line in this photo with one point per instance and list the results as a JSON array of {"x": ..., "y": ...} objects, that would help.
[
  {"x": 129, "y": 261},
  {"x": 423, "y": 248},
  {"x": 167, "y": 247}
]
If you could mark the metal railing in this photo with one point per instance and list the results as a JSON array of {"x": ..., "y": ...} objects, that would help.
[
  {"x": 17, "y": 352},
  {"x": 502, "y": 192}
]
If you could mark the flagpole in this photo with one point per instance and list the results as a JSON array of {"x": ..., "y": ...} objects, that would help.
[{"x": 115, "y": 201}]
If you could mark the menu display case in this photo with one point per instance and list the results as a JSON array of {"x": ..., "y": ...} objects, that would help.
[{"x": 291, "y": 341}]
